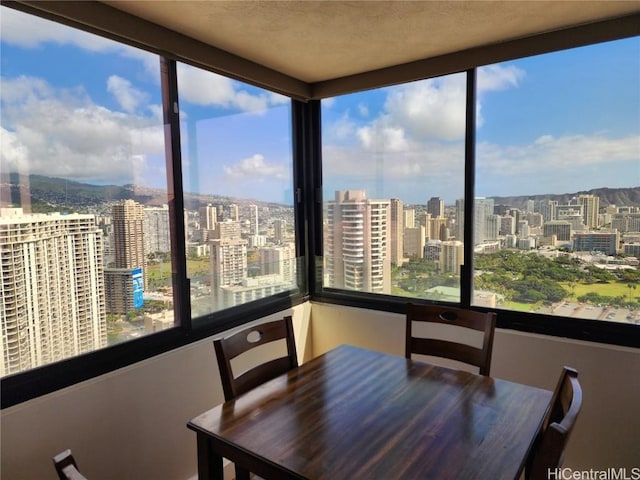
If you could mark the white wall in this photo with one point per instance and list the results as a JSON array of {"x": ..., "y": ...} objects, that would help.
[
  {"x": 127, "y": 424},
  {"x": 607, "y": 433},
  {"x": 131, "y": 424}
]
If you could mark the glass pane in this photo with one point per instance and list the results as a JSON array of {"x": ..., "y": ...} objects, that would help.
[
  {"x": 393, "y": 173},
  {"x": 558, "y": 167},
  {"x": 237, "y": 176},
  {"x": 83, "y": 219}
]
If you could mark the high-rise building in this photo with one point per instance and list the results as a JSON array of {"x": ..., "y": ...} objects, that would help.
[
  {"x": 605, "y": 242},
  {"x": 396, "y": 231},
  {"x": 591, "y": 209},
  {"x": 559, "y": 228},
  {"x": 357, "y": 240},
  {"x": 482, "y": 209},
  {"x": 157, "y": 229},
  {"x": 126, "y": 281},
  {"x": 414, "y": 242},
  {"x": 279, "y": 230},
  {"x": 52, "y": 301},
  {"x": 548, "y": 209},
  {"x": 233, "y": 212},
  {"x": 409, "y": 218},
  {"x": 208, "y": 217},
  {"x": 280, "y": 260},
  {"x": 460, "y": 219},
  {"x": 435, "y": 206},
  {"x": 228, "y": 261},
  {"x": 253, "y": 220},
  {"x": 507, "y": 225},
  {"x": 451, "y": 256}
]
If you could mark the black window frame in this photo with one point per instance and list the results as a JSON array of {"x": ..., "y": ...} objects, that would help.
[
  {"x": 307, "y": 185},
  {"x": 557, "y": 326}
]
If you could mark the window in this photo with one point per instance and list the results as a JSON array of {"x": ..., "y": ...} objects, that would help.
[
  {"x": 91, "y": 278},
  {"x": 555, "y": 203},
  {"x": 557, "y": 174},
  {"x": 393, "y": 174},
  {"x": 84, "y": 223},
  {"x": 237, "y": 175}
]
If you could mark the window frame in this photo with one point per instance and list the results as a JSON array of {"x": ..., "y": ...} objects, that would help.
[
  {"x": 20, "y": 387},
  {"x": 556, "y": 326},
  {"x": 307, "y": 185}
]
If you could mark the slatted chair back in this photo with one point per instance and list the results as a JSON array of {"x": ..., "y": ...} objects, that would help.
[
  {"x": 231, "y": 347},
  {"x": 480, "y": 321}
]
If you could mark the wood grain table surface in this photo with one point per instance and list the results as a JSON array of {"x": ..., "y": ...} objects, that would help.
[{"x": 357, "y": 414}]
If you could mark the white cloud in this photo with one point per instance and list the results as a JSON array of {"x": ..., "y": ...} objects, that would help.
[
  {"x": 204, "y": 88},
  {"x": 255, "y": 167},
  {"x": 126, "y": 95},
  {"x": 29, "y": 31},
  {"x": 63, "y": 133},
  {"x": 382, "y": 136},
  {"x": 562, "y": 155},
  {"x": 430, "y": 109},
  {"x": 494, "y": 78}
]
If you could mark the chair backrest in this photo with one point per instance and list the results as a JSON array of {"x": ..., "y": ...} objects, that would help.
[
  {"x": 230, "y": 347},
  {"x": 66, "y": 467},
  {"x": 548, "y": 451},
  {"x": 483, "y": 322}
]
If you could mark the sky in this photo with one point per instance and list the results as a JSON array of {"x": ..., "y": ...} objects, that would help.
[{"x": 77, "y": 106}]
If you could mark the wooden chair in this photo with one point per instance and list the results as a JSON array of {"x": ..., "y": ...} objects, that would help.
[
  {"x": 548, "y": 451},
  {"x": 483, "y": 322},
  {"x": 231, "y": 347},
  {"x": 66, "y": 467}
]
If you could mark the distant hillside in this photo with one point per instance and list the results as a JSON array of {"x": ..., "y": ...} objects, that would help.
[
  {"x": 50, "y": 193},
  {"x": 608, "y": 196}
]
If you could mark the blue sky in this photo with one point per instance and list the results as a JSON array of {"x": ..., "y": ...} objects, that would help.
[{"x": 78, "y": 106}]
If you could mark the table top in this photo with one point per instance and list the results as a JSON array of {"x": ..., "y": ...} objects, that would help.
[{"x": 358, "y": 414}]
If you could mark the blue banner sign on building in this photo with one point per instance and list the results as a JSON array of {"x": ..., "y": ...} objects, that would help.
[{"x": 138, "y": 287}]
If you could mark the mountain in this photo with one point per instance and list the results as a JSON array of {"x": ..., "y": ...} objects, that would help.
[{"x": 608, "y": 196}]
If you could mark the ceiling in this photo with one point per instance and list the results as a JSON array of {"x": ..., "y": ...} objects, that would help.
[{"x": 314, "y": 41}]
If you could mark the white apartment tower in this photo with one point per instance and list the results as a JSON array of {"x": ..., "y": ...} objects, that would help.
[
  {"x": 357, "y": 242},
  {"x": 590, "y": 210},
  {"x": 228, "y": 259},
  {"x": 52, "y": 300},
  {"x": 253, "y": 220},
  {"x": 157, "y": 229}
]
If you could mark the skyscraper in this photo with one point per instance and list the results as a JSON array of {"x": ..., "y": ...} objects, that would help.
[
  {"x": 253, "y": 220},
  {"x": 590, "y": 211},
  {"x": 396, "y": 232},
  {"x": 52, "y": 300},
  {"x": 157, "y": 229},
  {"x": 356, "y": 248},
  {"x": 435, "y": 206},
  {"x": 126, "y": 282},
  {"x": 233, "y": 212}
]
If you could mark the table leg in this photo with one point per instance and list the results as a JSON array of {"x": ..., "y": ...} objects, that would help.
[{"x": 209, "y": 462}]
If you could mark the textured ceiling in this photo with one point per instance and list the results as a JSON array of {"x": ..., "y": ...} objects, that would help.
[{"x": 321, "y": 40}]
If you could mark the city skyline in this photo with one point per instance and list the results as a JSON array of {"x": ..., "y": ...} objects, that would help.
[{"x": 536, "y": 128}]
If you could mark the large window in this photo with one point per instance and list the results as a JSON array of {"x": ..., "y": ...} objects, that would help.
[
  {"x": 393, "y": 174},
  {"x": 90, "y": 182},
  {"x": 555, "y": 214},
  {"x": 237, "y": 171},
  {"x": 83, "y": 221},
  {"x": 557, "y": 207}
]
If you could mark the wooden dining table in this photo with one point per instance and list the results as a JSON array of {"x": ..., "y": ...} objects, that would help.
[{"x": 354, "y": 414}]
